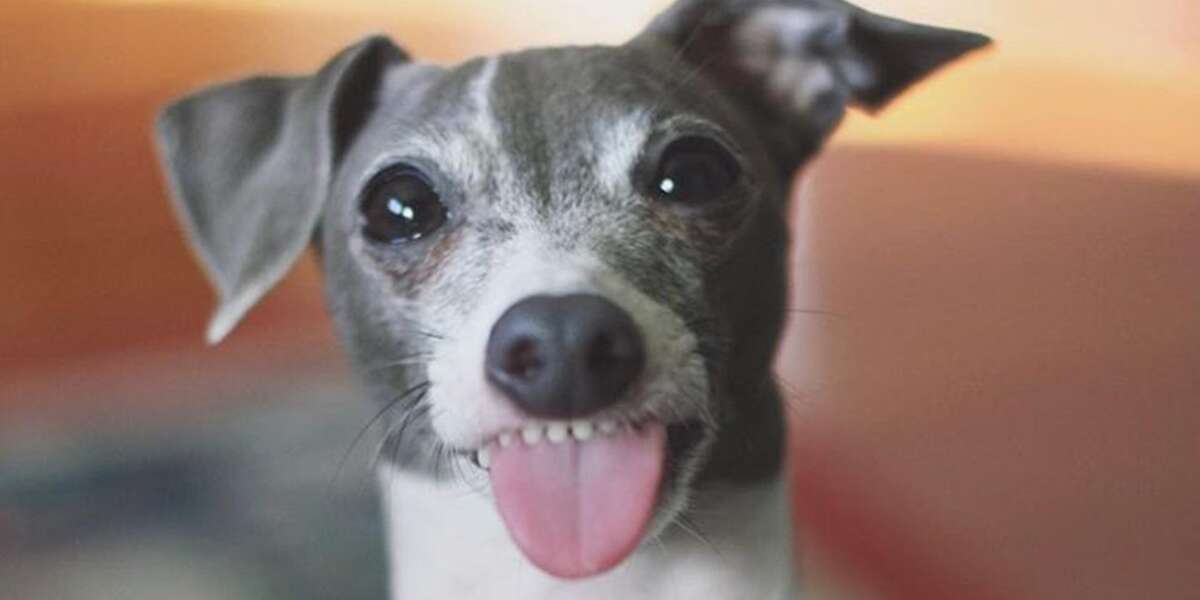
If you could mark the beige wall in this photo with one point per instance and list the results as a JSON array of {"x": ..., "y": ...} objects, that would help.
[{"x": 1083, "y": 81}]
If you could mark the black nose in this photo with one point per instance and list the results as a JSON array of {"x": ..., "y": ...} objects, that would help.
[{"x": 564, "y": 356}]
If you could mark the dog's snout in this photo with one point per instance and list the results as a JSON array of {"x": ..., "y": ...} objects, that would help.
[{"x": 564, "y": 356}]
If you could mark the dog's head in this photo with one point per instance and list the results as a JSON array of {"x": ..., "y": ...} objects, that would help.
[{"x": 565, "y": 264}]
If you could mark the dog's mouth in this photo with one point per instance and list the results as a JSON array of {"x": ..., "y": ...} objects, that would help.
[{"x": 577, "y": 498}]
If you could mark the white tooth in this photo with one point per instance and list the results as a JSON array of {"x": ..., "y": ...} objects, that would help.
[
  {"x": 582, "y": 430},
  {"x": 607, "y": 427},
  {"x": 485, "y": 458},
  {"x": 556, "y": 433},
  {"x": 532, "y": 434},
  {"x": 506, "y": 439}
]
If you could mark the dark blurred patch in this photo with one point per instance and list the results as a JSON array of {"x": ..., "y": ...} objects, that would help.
[{"x": 246, "y": 502}]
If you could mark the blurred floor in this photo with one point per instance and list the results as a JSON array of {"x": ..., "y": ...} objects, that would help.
[{"x": 237, "y": 493}]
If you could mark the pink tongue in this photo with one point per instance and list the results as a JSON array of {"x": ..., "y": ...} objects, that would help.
[{"x": 579, "y": 508}]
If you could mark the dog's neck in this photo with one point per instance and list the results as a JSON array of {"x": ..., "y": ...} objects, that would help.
[{"x": 446, "y": 540}]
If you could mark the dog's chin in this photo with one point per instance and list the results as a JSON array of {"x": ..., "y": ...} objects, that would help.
[{"x": 578, "y": 502}]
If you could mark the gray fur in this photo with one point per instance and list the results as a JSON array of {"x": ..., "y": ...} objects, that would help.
[
  {"x": 249, "y": 163},
  {"x": 545, "y": 147}
]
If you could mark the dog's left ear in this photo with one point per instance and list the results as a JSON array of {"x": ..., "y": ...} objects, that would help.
[{"x": 794, "y": 65}]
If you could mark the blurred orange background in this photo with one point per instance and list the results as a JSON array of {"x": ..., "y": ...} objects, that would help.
[
  {"x": 92, "y": 257},
  {"x": 1025, "y": 224}
]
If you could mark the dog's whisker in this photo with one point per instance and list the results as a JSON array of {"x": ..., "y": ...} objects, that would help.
[
  {"x": 697, "y": 70},
  {"x": 685, "y": 524},
  {"x": 412, "y": 360},
  {"x": 449, "y": 462},
  {"x": 817, "y": 313},
  {"x": 470, "y": 477},
  {"x": 416, "y": 329},
  {"x": 679, "y": 55},
  {"x": 662, "y": 550},
  {"x": 798, "y": 401},
  {"x": 389, "y": 447},
  {"x": 363, "y": 431}
]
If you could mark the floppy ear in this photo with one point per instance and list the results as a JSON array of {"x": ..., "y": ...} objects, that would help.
[
  {"x": 249, "y": 166},
  {"x": 794, "y": 65}
]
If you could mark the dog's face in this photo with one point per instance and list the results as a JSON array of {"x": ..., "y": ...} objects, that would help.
[
  {"x": 574, "y": 247},
  {"x": 562, "y": 266}
]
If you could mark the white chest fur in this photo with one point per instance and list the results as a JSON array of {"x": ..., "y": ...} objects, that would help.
[{"x": 447, "y": 541}]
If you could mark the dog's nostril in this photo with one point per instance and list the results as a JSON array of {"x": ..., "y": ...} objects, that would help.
[{"x": 523, "y": 360}]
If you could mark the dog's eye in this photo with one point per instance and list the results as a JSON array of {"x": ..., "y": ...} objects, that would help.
[
  {"x": 400, "y": 205},
  {"x": 693, "y": 170}
]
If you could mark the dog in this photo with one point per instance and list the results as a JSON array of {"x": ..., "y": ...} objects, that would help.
[{"x": 560, "y": 273}]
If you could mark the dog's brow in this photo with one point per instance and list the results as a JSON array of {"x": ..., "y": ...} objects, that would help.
[
  {"x": 619, "y": 142},
  {"x": 484, "y": 120}
]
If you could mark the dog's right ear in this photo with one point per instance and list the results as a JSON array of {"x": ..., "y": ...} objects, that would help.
[{"x": 250, "y": 164}]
